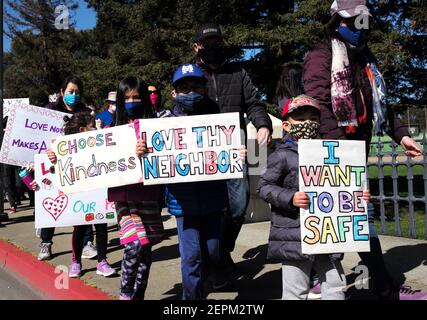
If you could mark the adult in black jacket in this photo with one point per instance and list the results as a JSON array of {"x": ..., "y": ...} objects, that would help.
[{"x": 231, "y": 88}]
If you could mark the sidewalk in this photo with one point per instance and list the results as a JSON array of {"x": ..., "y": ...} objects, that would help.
[{"x": 406, "y": 259}]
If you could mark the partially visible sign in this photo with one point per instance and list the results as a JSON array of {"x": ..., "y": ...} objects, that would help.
[
  {"x": 28, "y": 132},
  {"x": 8, "y": 103},
  {"x": 56, "y": 209}
]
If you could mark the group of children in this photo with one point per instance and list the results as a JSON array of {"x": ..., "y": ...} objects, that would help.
[{"x": 198, "y": 206}]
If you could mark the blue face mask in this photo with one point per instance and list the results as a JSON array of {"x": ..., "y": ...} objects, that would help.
[
  {"x": 189, "y": 100},
  {"x": 71, "y": 99},
  {"x": 134, "y": 109},
  {"x": 355, "y": 38}
]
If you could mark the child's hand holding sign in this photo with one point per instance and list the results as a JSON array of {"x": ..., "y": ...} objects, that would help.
[
  {"x": 141, "y": 148},
  {"x": 301, "y": 200},
  {"x": 51, "y": 155}
]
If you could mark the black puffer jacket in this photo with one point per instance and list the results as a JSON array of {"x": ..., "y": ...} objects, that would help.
[
  {"x": 232, "y": 89},
  {"x": 277, "y": 186}
]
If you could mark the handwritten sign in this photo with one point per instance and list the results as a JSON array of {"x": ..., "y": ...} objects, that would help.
[
  {"x": 333, "y": 174},
  {"x": 28, "y": 132},
  {"x": 193, "y": 148},
  {"x": 56, "y": 209},
  {"x": 96, "y": 159},
  {"x": 9, "y": 103}
]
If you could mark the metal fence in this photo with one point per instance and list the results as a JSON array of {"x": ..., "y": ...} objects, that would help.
[{"x": 385, "y": 154}]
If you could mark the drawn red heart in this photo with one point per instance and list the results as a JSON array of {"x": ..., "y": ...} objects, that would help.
[{"x": 53, "y": 209}]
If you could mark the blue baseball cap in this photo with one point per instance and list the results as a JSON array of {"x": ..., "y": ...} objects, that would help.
[{"x": 188, "y": 70}]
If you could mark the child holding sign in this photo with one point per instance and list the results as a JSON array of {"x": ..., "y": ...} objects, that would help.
[
  {"x": 279, "y": 187},
  {"x": 137, "y": 206},
  {"x": 82, "y": 122},
  {"x": 197, "y": 206}
]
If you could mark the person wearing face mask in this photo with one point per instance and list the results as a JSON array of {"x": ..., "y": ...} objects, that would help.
[
  {"x": 105, "y": 118},
  {"x": 230, "y": 86},
  {"x": 342, "y": 74},
  {"x": 279, "y": 187},
  {"x": 190, "y": 92},
  {"x": 155, "y": 98},
  {"x": 197, "y": 206},
  {"x": 69, "y": 101},
  {"x": 138, "y": 207}
]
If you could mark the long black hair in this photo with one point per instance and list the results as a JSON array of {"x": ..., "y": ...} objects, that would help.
[
  {"x": 129, "y": 84},
  {"x": 290, "y": 83}
]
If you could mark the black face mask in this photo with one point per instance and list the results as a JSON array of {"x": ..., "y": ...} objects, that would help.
[{"x": 213, "y": 56}]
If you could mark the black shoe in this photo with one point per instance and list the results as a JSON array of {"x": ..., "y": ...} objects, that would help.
[
  {"x": 2, "y": 225},
  {"x": 221, "y": 284},
  {"x": 229, "y": 264},
  {"x": 223, "y": 278},
  {"x": 391, "y": 293}
]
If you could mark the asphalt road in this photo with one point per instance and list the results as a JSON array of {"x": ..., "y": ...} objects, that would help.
[{"x": 13, "y": 289}]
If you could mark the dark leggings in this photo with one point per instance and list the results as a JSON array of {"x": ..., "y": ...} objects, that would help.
[
  {"x": 136, "y": 265},
  {"x": 101, "y": 241},
  {"x": 48, "y": 233},
  {"x": 14, "y": 185}
]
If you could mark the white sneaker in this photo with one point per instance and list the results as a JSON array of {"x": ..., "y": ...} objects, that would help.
[
  {"x": 45, "y": 251},
  {"x": 38, "y": 233},
  {"x": 89, "y": 251}
]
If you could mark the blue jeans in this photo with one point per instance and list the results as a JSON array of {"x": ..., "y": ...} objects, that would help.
[
  {"x": 238, "y": 200},
  {"x": 195, "y": 233}
]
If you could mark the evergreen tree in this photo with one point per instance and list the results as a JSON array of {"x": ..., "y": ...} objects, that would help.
[
  {"x": 41, "y": 53},
  {"x": 150, "y": 38}
]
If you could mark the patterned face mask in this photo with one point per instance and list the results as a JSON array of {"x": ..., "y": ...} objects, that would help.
[{"x": 305, "y": 130}]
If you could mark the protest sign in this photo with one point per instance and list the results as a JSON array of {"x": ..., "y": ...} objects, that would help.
[
  {"x": 333, "y": 175},
  {"x": 56, "y": 209},
  {"x": 28, "y": 132},
  {"x": 96, "y": 159},
  {"x": 193, "y": 148},
  {"x": 9, "y": 103}
]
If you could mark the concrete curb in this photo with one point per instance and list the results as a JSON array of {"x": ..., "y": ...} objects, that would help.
[{"x": 41, "y": 276}]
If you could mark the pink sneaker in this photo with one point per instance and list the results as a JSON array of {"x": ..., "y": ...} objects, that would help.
[
  {"x": 75, "y": 270},
  {"x": 125, "y": 297},
  {"x": 406, "y": 293},
  {"x": 315, "y": 292},
  {"x": 104, "y": 269}
]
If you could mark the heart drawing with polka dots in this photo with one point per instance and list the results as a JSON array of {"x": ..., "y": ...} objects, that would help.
[{"x": 55, "y": 206}]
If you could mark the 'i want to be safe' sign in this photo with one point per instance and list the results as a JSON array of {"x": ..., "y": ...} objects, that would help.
[{"x": 333, "y": 175}]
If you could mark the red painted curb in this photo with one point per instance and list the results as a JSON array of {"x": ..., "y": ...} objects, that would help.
[{"x": 41, "y": 276}]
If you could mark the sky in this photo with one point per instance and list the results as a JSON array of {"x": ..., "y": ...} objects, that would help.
[{"x": 84, "y": 18}]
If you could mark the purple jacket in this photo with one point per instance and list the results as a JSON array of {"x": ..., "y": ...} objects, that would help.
[{"x": 317, "y": 84}]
